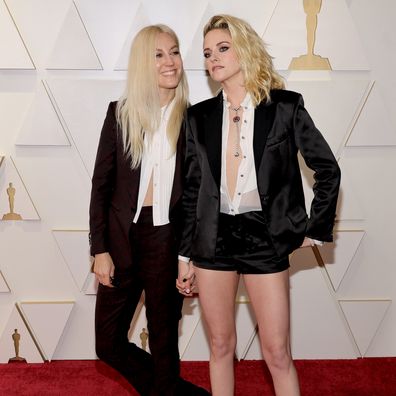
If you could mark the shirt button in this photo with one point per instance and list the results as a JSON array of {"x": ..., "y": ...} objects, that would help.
[
  {"x": 239, "y": 193},
  {"x": 232, "y": 210},
  {"x": 245, "y": 121},
  {"x": 244, "y": 156},
  {"x": 243, "y": 137},
  {"x": 241, "y": 175}
]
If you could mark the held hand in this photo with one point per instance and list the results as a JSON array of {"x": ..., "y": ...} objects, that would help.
[
  {"x": 186, "y": 279},
  {"x": 104, "y": 269}
]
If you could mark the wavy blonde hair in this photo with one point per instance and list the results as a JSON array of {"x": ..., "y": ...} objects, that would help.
[
  {"x": 256, "y": 63},
  {"x": 139, "y": 110}
]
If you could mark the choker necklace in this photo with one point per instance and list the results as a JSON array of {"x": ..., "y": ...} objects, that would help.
[{"x": 236, "y": 119}]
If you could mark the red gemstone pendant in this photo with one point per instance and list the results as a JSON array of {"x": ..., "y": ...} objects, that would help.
[{"x": 236, "y": 119}]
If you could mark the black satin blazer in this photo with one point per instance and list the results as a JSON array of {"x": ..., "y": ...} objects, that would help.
[
  {"x": 114, "y": 195},
  {"x": 282, "y": 128}
]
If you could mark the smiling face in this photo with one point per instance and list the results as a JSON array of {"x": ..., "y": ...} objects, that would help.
[
  {"x": 168, "y": 64},
  {"x": 221, "y": 60}
]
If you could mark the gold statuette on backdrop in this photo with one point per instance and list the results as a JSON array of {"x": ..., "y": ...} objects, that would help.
[
  {"x": 11, "y": 200},
  {"x": 143, "y": 339},
  {"x": 310, "y": 61},
  {"x": 16, "y": 337}
]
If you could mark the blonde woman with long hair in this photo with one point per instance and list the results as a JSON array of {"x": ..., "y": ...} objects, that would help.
[
  {"x": 244, "y": 210},
  {"x": 135, "y": 216}
]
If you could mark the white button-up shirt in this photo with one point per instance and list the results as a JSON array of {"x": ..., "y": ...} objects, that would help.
[
  {"x": 246, "y": 197},
  {"x": 158, "y": 162}
]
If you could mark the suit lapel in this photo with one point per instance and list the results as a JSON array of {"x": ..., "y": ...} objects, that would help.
[
  {"x": 213, "y": 130},
  {"x": 263, "y": 119}
]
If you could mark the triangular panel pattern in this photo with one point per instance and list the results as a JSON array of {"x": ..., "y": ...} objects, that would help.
[
  {"x": 337, "y": 256},
  {"x": 19, "y": 343},
  {"x": 85, "y": 111},
  {"x": 22, "y": 201},
  {"x": 373, "y": 117},
  {"x": 341, "y": 97},
  {"x": 335, "y": 25},
  {"x": 189, "y": 322},
  {"x": 47, "y": 321},
  {"x": 42, "y": 126},
  {"x": 258, "y": 14},
  {"x": 47, "y": 17},
  {"x": 14, "y": 54},
  {"x": 349, "y": 206},
  {"x": 312, "y": 295},
  {"x": 108, "y": 23},
  {"x": 245, "y": 328},
  {"x": 198, "y": 346},
  {"x": 73, "y": 49},
  {"x": 140, "y": 20},
  {"x": 364, "y": 318},
  {"x": 74, "y": 247},
  {"x": 253, "y": 349},
  {"x": 4, "y": 288}
]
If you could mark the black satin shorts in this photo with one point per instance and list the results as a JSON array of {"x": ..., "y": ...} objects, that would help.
[{"x": 244, "y": 245}]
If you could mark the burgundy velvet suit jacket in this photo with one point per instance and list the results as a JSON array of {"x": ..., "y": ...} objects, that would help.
[
  {"x": 114, "y": 194},
  {"x": 282, "y": 128}
]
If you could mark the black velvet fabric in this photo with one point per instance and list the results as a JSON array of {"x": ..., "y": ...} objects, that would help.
[{"x": 244, "y": 245}]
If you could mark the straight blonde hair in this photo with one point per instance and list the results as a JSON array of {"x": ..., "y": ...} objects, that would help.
[
  {"x": 256, "y": 63},
  {"x": 138, "y": 110}
]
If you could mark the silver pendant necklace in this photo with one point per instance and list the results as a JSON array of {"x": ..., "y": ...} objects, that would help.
[{"x": 236, "y": 120}]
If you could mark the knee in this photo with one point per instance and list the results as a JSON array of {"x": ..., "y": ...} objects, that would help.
[
  {"x": 222, "y": 345},
  {"x": 277, "y": 356}
]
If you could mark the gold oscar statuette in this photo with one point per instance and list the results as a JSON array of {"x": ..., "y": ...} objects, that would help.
[
  {"x": 310, "y": 61},
  {"x": 11, "y": 200},
  {"x": 16, "y": 337},
  {"x": 143, "y": 338}
]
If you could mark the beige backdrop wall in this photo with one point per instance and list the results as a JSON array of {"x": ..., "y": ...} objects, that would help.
[{"x": 62, "y": 61}]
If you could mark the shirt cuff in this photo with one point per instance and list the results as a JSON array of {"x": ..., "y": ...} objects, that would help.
[
  {"x": 316, "y": 242},
  {"x": 183, "y": 258}
]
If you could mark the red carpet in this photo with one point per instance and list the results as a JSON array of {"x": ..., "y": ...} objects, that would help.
[{"x": 361, "y": 377}]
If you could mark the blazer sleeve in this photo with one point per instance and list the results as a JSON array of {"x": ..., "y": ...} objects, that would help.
[
  {"x": 318, "y": 157},
  {"x": 191, "y": 190},
  {"x": 103, "y": 181}
]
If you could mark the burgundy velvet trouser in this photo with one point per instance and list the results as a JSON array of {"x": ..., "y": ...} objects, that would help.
[{"x": 154, "y": 271}]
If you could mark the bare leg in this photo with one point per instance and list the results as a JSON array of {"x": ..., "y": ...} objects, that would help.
[
  {"x": 217, "y": 291},
  {"x": 269, "y": 295}
]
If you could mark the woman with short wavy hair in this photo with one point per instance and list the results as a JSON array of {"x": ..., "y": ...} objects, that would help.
[{"x": 244, "y": 207}]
